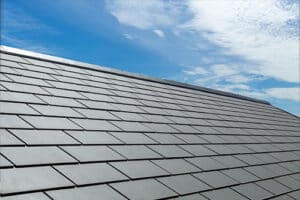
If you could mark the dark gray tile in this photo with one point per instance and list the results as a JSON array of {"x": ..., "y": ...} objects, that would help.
[
  {"x": 252, "y": 191},
  {"x": 133, "y": 138},
  {"x": 289, "y": 182},
  {"x": 165, "y": 138},
  {"x": 31, "y": 179},
  {"x": 131, "y": 126},
  {"x": 191, "y": 197},
  {"x": 273, "y": 187},
  {"x": 92, "y": 153},
  {"x": 206, "y": 163},
  {"x": 95, "y": 125},
  {"x": 22, "y": 156},
  {"x": 50, "y": 122},
  {"x": 136, "y": 152},
  {"x": 230, "y": 161},
  {"x": 240, "y": 175},
  {"x": 222, "y": 194},
  {"x": 192, "y": 138},
  {"x": 198, "y": 150},
  {"x": 215, "y": 179},
  {"x": 56, "y": 111},
  {"x": 97, "y": 114},
  {"x": 91, "y": 173},
  {"x": 94, "y": 137},
  {"x": 184, "y": 128},
  {"x": 84, "y": 193},
  {"x": 176, "y": 166},
  {"x": 139, "y": 169},
  {"x": 135, "y": 190},
  {"x": 170, "y": 151},
  {"x": 44, "y": 137},
  {"x": 260, "y": 172},
  {"x": 184, "y": 184},
  {"x": 161, "y": 128}
]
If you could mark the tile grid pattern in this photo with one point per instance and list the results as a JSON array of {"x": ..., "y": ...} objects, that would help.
[{"x": 76, "y": 133}]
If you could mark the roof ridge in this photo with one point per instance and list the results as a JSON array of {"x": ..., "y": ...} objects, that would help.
[{"x": 79, "y": 64}]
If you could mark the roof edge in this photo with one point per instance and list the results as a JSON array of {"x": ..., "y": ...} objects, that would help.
[{"x": 59, "y": 60}]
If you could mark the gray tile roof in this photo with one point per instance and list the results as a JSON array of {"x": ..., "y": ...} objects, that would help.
[{"x": 71, "y": 130}]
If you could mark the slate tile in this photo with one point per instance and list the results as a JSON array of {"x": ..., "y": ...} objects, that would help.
[
  {"x": 289, "y": 182},
  {"x": 184, "y": 184},
  {"x": 92, "y": 153},
  {"x": 198, "y": 150},
  {"x": 192, "y": 138},
  {"x": 7, "y": 138},
  {"x": 136, "y": 152},
  {"x": 135, "y": 190},
  {"x": 96, "y": 114},
  {"x": 44, "y": 137},
  {"x": 56, "y": 111},
  {"x": 131, "y": 126},
  {"x": 31, "y": 179},
  {"x": 30, "y": 196},
  {"x": 12, "y": 121},
  {"x": 273, "y": 186},
  {"x": 91, "y": 173},
  {"x": 222, "y": 194},
  {"x": 156, "y": 118},
  {"x": 160, "y": 128},
  {"x": 215, "y": 179},
  {"x": 220, "y": 149},
  {"x": 28, "y": 80},
  {"x": 176, "y": 166},
  {"x": 229, "y": 161},
  {"x": 98, "y": 105},
  {"x": 16, "y": 108},
  {"x": 50, "y": 122},
  {"x": 191, "y": 197},
  {"x": 19, "y": 97},
  {"x": 20, "y": 87},
  {"x": 60, "y": 101},
  {"x": 206, "y": 163},
  {"x": 64, "y": 93},
  {"x": 184, "y": 128},
  {"x": 249, "y": 159},
  {"x": 130, "y": 116},
  {"x": 252, "y": 191},
  {"x": 133, "y": 138},
  {"x": 170, "y": 151},
  {"x": 4, "y": 162},
  {"x": 95, "y": 125},
  {"x": 84, "y": 193},
  {"x": 94, "y": 137},
  {"x": 295, "y": 194},
  {"x": 260, "y": 172},
  {"x": 22, "y": 156},
  {"x": 240, "y": 175},
  {"x": 165, "y": 138},
  {"x": 139, "y": 169}
]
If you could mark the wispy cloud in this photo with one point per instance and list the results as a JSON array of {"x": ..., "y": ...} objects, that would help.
[
  {"x": 159, "y": 33},
  {"x": 285, "y": 93}
]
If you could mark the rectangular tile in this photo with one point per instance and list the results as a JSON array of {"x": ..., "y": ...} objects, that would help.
[
  {"x": 198, "y": 150},
  {"x": 50, "y": 122},
  {"x": 215, "y": 179},
  {"x": 206, "y": 163},
  {"x": 31, "y": 179},
  {"x": 91, "y": 173},
  {"x": 19, "y": 97},
  {"x": 7, "y": 138},
  {"x": 19, "y": 87},
  {"x": 132, "y": 126},
  {"x": 96, "y": 114},
  {"x": 94, "y": 137},
  {"x": 92, "y": 153},
  {"x": 176, "y": 166},
  {"x": 97, "y": 125},
  {"x": 22, "y": 156},
  {"x": 135, "y": 190},
  {"x": 61, "y": 101},
  {"x": 133, "y": 138},
  {"x": 12, "y": 121},
  {"x": 240, "y": 175},
  {"x": 169, "y": 151},
  {"x": 56, "y": 111},
  {"x": 252, "y": 191},
  {"x": 165, "y": 138},
  {"x": 16, "y": 108},
  {"x": 136, "y": 152},
  {"x": 225, "y": 193}
]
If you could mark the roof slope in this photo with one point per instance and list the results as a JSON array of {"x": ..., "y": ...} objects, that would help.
[{"x": 70, "y": 130}]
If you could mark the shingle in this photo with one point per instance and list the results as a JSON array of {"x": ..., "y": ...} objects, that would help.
[
  {"x": 289, "y": 182},
  {"x": 191, "y": 138},
  {"x": 97, "y": 125},
  {"x": 60, "y": 101},
  {"x": 94, "y": 137},
  {"x": 31, "y": 179},
  {"x": 273, "y": 186},
  {"x": 165, "y": 138},
  {"x": 156, "y": 118},
  {"x": 249, "y": 159},
  {"x": 206, "y": 163},
  {"x": 84, "y": 193},
  {"x": 191, "y": 197},
  {"x": 139, "y": 169},
  {"x": 19, "y": 97},
  {"x": 97, "y": 114},
  {"x": 136, "y": 152},
  {"x": 215, "y": 179},
  {"x": 133, "y": 138},
  {"x": 64, "y": 93},
  {"x": 176, "y": 166},
  {"x": 295, "y": 194},
  {"x": 30, "y": 196},
  {"x": 56, "y": 111},
  {"x": 170, "y": 151},
  {"x": 198, "y": 150},
  {"x": 92, "y": 153},
  {"x": 28, "y": 80},
  {"x": 184, "y": 128},
  {"x": 12, "y": 121},
  {"x": 8, "y": 139},
  {"x": 131, "y": 126},
  {"x": 229, "y": 161},
  {"x": 91, "y": 173},
  {"x": 240, "y": 175},
  {"x": 135, "y": 190},
  {"x": 20, "y": 87},
  {"x": 252, "y": 191},
  {"x": 4, "y": 162},
  {"x": 220, "y": 149},
  {"x": 44, "y": 137},
  {"x": 98, "y": 105},
  {"x": 223, "y": 194},
  {"x": 260, "y": 172},
  {"x": 16, "y": 108},
  {"x": 161, "y": 128},
  {"x": 184, "y": 184},
  {"x": 22, "y": 156},
  {"x": 50, "y": 122}
]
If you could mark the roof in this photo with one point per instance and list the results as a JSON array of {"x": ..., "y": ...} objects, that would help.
[{"x": 76, "y": 131}]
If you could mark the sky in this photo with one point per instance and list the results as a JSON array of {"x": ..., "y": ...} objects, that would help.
[{"x": 249, "y": 47}]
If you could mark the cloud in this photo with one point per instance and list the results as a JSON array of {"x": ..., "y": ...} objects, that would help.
[
  {"x": 196, "y": 71},
  {"x": 159, "y": 33},
  {"x": 285, "y": 93}
]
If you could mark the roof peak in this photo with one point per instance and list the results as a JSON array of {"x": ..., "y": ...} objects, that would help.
[{"x": 79, "y": 64}]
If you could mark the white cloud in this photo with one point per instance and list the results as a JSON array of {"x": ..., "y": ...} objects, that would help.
[
  {"x": 196, "y": 71},
  {"x": 128, "y": 36},
  {"x": 159, "y": 33},
  {"x": 238, "y": 79},
  {"x": 285, "y": 93}
]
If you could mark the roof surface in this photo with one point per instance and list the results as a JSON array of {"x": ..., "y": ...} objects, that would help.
[{"x": 75, "y": 131}]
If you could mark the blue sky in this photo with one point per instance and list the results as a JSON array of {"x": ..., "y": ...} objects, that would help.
[{"x": 250, "y": 47}]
